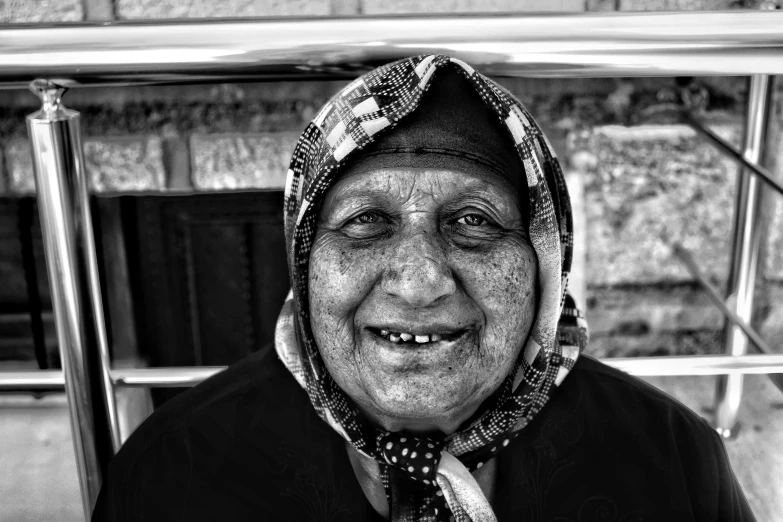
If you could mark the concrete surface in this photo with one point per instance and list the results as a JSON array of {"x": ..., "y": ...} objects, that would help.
[
  {"x": 114, "y": 164},
  {"x": 373, "y": 7},
  {"x": 38, "y": 11},
  {"x": 240, "y": 161},
  {"x": 158, "y": 9},
  {"x": 675, "y": 5},
  {"x": 756, "y": 453},
  {"x": 650, "y": 180},
  {"x": 39, "y": 480}
]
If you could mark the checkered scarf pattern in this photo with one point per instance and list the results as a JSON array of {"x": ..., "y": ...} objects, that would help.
[{"x": 426, "y": 479}]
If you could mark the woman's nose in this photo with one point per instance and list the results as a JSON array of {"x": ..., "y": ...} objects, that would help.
[{"x": 419, "y": 273}]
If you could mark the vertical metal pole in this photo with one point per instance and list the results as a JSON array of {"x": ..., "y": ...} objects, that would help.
[
  {"x": 73, "y": 276},
  {"x": 745, "y": 251}
]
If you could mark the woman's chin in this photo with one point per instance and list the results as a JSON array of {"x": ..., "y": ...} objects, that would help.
[{"x": 420, "y": 404}]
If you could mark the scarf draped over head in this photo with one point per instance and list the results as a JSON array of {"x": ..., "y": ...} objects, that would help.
[{"x": 425, "y": 478}]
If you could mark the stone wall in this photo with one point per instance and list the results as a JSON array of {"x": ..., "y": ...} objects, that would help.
[
  {"x": 639, "y": 179},
  {"x": 36, "y": 11}
]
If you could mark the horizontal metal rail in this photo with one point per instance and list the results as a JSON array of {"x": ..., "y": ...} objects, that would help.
[
  {"x": 191, "y": 376},
  {"x": 32, "y": 380},
  {"x": 544, "y": 46},
  {"x": 698, "y": 365},
  {"x": 164, "y": 377}
]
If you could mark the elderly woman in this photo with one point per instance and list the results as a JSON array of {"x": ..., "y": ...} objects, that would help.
[{"x": 427, "y": 363}]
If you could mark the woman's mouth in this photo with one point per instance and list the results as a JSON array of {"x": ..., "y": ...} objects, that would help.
[{"x": 416, "y": 339}]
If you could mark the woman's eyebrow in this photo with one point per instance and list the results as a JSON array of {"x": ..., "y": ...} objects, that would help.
[
  {"x": 361, "y": 192},
  {"x": 492, "y": 198},
  {"x": 342, "y": 204},
  {"x": 354, "y": 197}
]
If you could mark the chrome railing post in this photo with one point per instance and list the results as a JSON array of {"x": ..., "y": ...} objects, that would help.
[
  {"x": 745, "y": 251},
  {"x": 71, "y": 263}
]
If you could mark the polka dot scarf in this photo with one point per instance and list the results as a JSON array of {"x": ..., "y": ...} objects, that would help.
[{"x": 429, "y": 479}]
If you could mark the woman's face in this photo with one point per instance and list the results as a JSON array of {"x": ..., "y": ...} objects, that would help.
[{"x": 422, "y": 292}]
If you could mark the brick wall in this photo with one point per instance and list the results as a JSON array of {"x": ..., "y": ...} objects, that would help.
[{"x": 638, "y": 179}]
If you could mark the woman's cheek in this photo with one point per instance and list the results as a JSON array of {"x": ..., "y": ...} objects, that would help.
[
  {"x": 326, "y": 300},
  {"x": 340, "y": 278},
  {"x": 502, "y": 282}
]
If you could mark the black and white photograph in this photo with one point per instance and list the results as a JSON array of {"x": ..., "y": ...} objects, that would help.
[{"x": 391, "y": 260}]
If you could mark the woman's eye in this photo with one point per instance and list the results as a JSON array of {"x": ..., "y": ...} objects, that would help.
[
  {"x": 367, "y": 225},
  {"x": 473, "y": 220},
  {"x": 369, "y": 218}
]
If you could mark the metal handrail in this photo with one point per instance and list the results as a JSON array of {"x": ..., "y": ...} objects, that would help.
[
  {"x": 542, "y": 46},
  {"x": 746, "y": 241},
  {"x": 185, "y": 377},
  {"x": 756, "y": 341},
  {"x": 71, "y": 262},
  {"x": 727, "y": 149}
]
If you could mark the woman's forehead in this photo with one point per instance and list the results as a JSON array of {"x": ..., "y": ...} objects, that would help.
[
  {"x": 412, "y": 180},
  {"x": 414, "y": 189}
]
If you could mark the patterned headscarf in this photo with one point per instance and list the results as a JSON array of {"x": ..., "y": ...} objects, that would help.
[{"x": 427, "y": 479}]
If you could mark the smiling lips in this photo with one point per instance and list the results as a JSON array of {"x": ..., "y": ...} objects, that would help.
[
  {"x": 419, "y": 338},
  {"x": 406, "y": 337}
]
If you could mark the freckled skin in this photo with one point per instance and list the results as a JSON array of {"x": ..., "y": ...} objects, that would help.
[{"x": 419, "y": 247}]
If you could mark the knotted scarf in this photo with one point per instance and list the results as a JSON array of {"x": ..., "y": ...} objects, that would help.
[{"x": 429, "y": 478}]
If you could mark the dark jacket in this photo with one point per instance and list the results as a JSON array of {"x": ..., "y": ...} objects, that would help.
[{"x": 247, "y": 445}]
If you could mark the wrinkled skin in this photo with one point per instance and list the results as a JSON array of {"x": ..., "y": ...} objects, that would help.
[{"x": 423, "y": 251}]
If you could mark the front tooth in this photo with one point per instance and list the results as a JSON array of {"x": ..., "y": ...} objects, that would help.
[
  {"x": 422, "y": 338},
  {"x": 394, "y": 338},
  {"x": 406, "y": 337},
  {"x": 436, "y": 337}
]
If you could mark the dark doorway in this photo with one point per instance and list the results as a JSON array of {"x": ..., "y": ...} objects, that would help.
[
  {"x": 27, "y": 335},
  {"x": 208, "y": 276}
]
